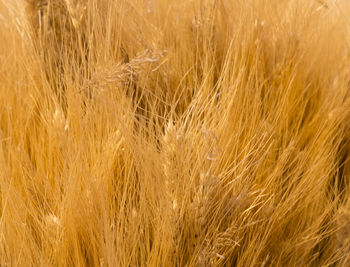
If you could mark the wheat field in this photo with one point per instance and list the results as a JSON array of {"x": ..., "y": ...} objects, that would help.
[{"x": 174, "y": 133}]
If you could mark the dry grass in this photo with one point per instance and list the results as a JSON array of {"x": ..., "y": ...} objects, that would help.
[{"x": 174, "y": 133}]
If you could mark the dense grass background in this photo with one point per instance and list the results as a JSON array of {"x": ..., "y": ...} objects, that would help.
[{"x": 174, "y": 133}]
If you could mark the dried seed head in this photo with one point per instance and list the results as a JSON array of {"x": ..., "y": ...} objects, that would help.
[
  {"x": 52, "y": 220},
  {"x": 59, "y": 121}
]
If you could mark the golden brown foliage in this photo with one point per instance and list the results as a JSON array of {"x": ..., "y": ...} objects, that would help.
[{"x": 174, "y": 133}]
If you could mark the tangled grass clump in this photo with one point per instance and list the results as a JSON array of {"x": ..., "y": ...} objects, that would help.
[{"x": 174, "y": 133}]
